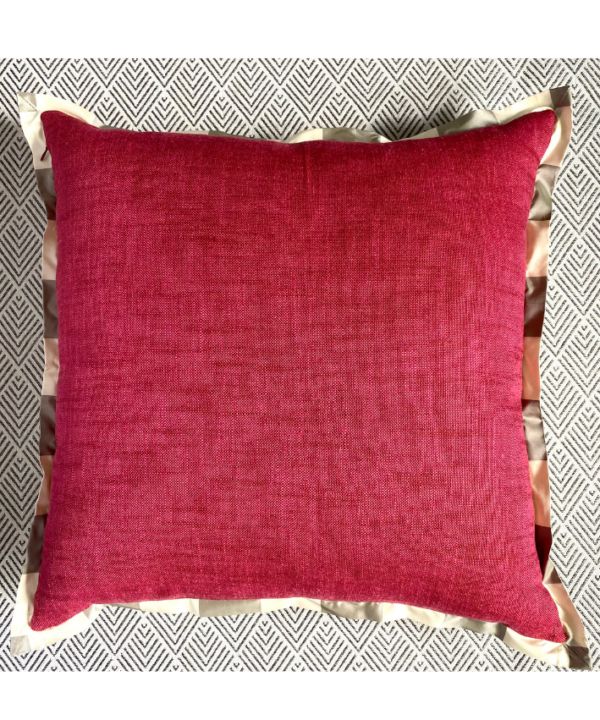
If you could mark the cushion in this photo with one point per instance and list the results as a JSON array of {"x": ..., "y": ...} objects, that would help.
[{"x": 298, "y": 370}]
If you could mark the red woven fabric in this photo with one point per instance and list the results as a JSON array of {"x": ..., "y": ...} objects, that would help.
[{"x": 293, "y": 370}]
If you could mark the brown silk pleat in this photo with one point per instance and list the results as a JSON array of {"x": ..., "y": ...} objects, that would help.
[
  {"x": 47, "y": 425},
  {"x": 36, "y": 542},
  {"x": 543, "y": 543},
  {"x": 535, "y": 304},
  {"x": 50, "y": 309}
]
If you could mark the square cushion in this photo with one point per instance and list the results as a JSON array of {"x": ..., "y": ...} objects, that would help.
[{"x": 296, "y": 370}]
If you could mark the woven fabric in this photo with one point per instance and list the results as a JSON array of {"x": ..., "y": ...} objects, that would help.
[{"x": 307, "y": 407}]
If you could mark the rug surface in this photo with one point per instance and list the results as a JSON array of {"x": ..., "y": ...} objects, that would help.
[{"x": 275, "y": 99}]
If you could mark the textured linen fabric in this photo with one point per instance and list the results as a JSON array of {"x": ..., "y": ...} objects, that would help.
[{"x": 293, "y": 370}]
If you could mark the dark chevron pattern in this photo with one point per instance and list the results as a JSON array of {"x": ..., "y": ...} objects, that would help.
[{"x": 277, "y": 98}]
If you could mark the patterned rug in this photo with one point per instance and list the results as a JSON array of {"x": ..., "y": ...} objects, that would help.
[{"x": 275, "y": 99}]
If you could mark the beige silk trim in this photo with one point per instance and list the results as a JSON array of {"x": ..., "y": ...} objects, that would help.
[
  {"x": 49, "y": 252},
  {"x": 538, "y": 240},
  {"x": 574, "y": 652},
  {"x": 531, "y": 368},
  {"x": 50, "y": 366},
  {"x": 540, "y": 487}
]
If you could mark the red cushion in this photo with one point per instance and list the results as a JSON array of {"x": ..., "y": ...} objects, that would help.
[{"x": 293, "y": 370}]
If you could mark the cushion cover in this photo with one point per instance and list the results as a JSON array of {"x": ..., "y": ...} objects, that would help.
[
  {"x": 287, "y": 399},
  {"x": 293, "y": 370}
]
